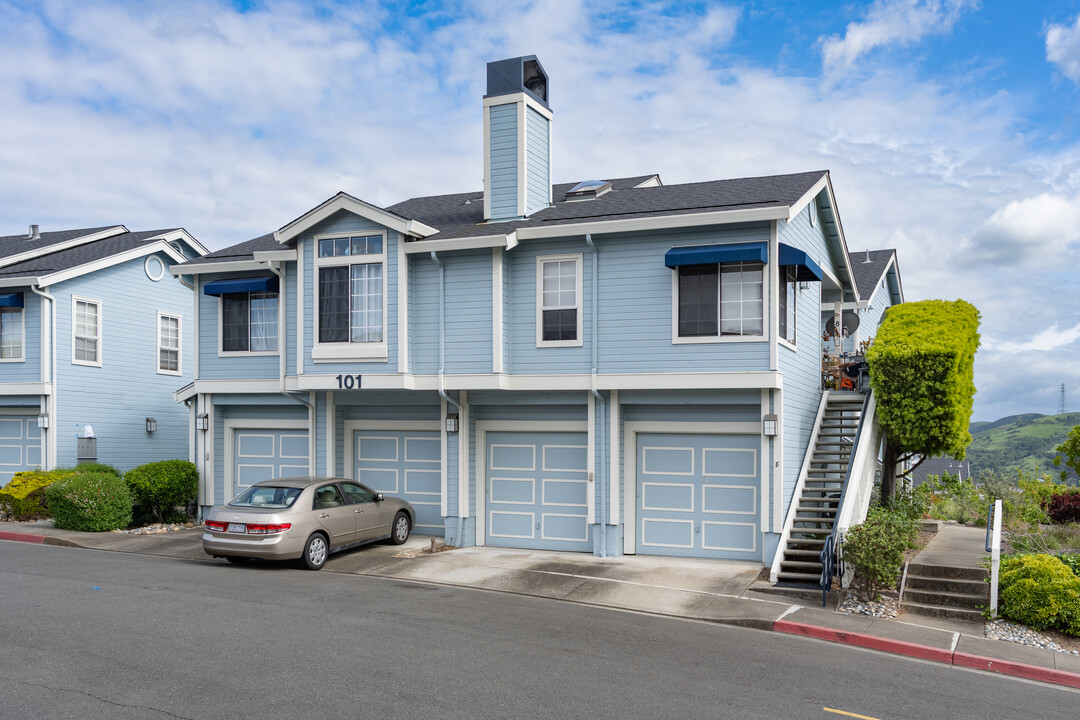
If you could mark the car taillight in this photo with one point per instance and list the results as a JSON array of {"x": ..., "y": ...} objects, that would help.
[
  {"x": 214, "y": 525},
  {"x": 267, "y": 529}
]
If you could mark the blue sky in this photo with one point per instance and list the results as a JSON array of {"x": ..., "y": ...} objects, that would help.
[{"x": 951, "y": 127}]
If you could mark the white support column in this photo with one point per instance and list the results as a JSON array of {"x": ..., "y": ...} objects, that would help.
[
  {"x": 331, "y": 434},
  {"x": 590, "y": 463},
  {"x": 463, "y": 456},
  {"x": 614, "y": 474},
  {"x": 496, "y": 310},
  {"x": 444, "y": 501}
]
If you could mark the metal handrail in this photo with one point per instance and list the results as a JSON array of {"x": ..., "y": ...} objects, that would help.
[{"x": 830, "y": 548}]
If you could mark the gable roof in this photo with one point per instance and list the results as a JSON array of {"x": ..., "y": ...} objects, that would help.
[
  {"x": 16, "y": 248},
  {"x": 869, "y": 268}
]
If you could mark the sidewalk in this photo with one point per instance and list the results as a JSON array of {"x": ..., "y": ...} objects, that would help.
[{"x": 707, "y": 590}]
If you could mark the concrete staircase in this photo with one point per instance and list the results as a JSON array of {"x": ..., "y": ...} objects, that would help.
[
  {"x": 817, "y": 507},
  {"x": 958, "y": 593}
]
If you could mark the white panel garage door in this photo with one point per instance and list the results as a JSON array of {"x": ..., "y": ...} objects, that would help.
[
  {"x": 407, "y": 464},
  {"x": 537, "y": 485},
  {"x": 263, "y": 454},
  {"x": 698, "y": 495},
  {"x": 20, "y": 445}
]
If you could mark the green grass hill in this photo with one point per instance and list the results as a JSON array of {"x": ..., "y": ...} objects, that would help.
[{"x": 1025, "y": 442}]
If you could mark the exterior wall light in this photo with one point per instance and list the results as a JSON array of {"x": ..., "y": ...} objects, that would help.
[
  {"x": 43, "y": 421},
  {"x": 151, "y": 425},
  {"x": 452, "y": 423},
  {"x": 202, "y": 422},
  {"x": 768, "y": 425}
]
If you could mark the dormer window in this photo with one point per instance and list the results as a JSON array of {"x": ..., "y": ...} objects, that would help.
[{"x": 588, "y": 190}]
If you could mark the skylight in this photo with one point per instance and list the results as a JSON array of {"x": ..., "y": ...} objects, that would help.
[{"x": 588, "y": 190}]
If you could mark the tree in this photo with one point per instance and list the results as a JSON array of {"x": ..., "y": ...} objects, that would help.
[
  {"x": 922, "y": 375},
  {"x": 1068, "y": 452}
]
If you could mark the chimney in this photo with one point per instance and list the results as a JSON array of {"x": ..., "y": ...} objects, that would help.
[
  {"x": 34, "y": 234},
  {"x": 517, "y": 139}
]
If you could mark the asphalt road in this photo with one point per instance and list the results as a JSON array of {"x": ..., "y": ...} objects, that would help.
[{"x": 89, "y": 634}]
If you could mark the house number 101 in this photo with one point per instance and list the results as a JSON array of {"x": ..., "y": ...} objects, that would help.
[{"x": 348, "y": 382}]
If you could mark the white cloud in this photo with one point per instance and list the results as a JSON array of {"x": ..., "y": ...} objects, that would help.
[
  {"x": 1035, "y": 231},
  {"x": 1049, "y": 339},
  {"x": 1063, "y": 48},
  {"x": 891, "y": 22}
]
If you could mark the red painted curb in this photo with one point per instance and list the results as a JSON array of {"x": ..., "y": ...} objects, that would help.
[
  {"x": 21, "y": 537},
  {"x": 867, "y": 641},
  {"x": 1005, "y": 667},
  {"x": 976, "y": 662}
]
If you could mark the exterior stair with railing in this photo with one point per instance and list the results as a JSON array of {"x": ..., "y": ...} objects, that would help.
[
  {"x": 817, "y": 507},
  {"x": 947, "y": 578}
]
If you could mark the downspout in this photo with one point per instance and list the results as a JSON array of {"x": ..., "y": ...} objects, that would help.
[
  {"x": 272, "y": 266},
  {"x": 442, "y": 389},
  {"x": 51, "y": 402},
  {"x": 602, "y": 435}
]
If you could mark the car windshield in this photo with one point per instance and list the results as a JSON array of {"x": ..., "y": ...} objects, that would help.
[{"x": 265, "y": 496}]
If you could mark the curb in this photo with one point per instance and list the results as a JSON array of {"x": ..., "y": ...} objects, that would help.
[
  {"x": 36, "y": 539},
  {"x": 924, "y": 652}
]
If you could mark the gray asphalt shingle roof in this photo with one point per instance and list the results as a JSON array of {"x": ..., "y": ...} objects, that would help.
[
  {"x": 868, "y": 267},
  {"x": 240, "y": 251},
  {"x": 16, "y": 244},
  {"x": 80, "y": 255}
]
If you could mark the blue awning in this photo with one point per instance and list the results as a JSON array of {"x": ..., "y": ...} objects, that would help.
[
  {"x": 709, "y": 254},
  {"x": 239, "y": 285},
  {"x": 808, "y": 270},
  {"x": 14, "y": 299}
]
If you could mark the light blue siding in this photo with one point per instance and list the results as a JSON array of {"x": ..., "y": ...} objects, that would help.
[
  {"x": 291, "y": 307},
  {"x": 253, "y": 411},
  {"x": 424, "y": 313},
  {"x": 29, "y": 368},
  {"x": 503, "y": 180},
  {"x": 117, "y": 397},
  {"x": 468, "y": 317},
  {"x": 537, "y": 170}
]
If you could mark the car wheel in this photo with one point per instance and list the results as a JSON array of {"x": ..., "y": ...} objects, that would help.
[
  {"x": 399, "y": 530},
  {"x": 237, "y": 560},
  {"x": 315, "y": 552}
]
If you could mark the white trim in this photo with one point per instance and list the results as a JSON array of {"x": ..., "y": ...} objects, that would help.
[
  {"x": 752, "y": 549},
  {"x": 351, "y": 427},
  {"x": 487, "y": 163},
  {"x": 483, "y": 427},
  {"x": 283, "y": 255},
  {"x": 59, "y": 246},
  {"x": 331, "y": 435},
  {"x": 301, "y": 309},
  {"x": 197, "y": 290},
  {"x": 210, "y": 448},
  {"x": 497, "y": 310},
  {"x": 197, "y": 268},
  {"x": 754, "y": 490},
  {"x": 344, "y": 201},
  {"x": 590, "y": 461},
  {"x": 254, "y": 387},
  {"x": 771, "y": 278},
  {"x": 146, "y": 268},
  {"x": 463, "y": 454},
  {"x": 22, "y": 332},
  {"x": 233, "y": 424},
  {"x": 26, "y": 388},
  {"x": 687, "y": 485},
  {"x": 421, "y": 247},
  {"x": 402, "y": 323},
  {"x": 107, "y": 262},
  {"x": 777, "y": 444},
  {"x": 75, "y": 300},
  {"x": 349, "y": 350},
  {"x": 522, "y": 161},
  {"x": 614, "y": 450},
  {"x": 579, "y": 265},
  {"x": 179, "y": 344},
  {"x": 632, "y": 430},
  {"x": 444, "y": 501},
  {"x": 655, "y": 222},
  {"x": 768, "y": 479},
  {"x": 670, "y": 521},
  {"x": 764, "y": 337},
  {"x": 802, "y": 202},
  {"x": 520, "y": 97}
]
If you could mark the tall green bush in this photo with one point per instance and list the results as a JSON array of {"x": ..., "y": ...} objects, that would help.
[
  {"x": 24, "y": 495},
  {"x": 875, "y": 550},
  {"x": 90, "y": 501},
  {"x": 1040, "y": 591},
  {"x": 159, "y": 488}
]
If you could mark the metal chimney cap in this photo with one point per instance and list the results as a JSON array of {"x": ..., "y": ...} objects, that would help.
[{"x": 34, "y": 234}]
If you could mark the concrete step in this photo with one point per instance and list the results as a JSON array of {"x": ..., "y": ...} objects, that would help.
[
  {"x": 799, "y": 578},
  {"x": 945, "y": 571},
  {"x": 803, "y": 554},
  {"x": 953, "y": 613},
  {"x": 803, "y": 566},
  {"x": 946, "y": 599},
  {"x": 953, "y": 585}
]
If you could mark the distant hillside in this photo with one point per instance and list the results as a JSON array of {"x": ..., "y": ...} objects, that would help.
[{"x": 1024, "y": 442}]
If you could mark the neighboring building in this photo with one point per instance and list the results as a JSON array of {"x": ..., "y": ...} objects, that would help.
[
  {"x": 94, "y": 330},
  {"x": 608, "y": 366},
  {"x": 940, "y": 466}
]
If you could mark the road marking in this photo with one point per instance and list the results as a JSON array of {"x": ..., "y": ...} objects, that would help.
[{"x": 849, "y": 714}]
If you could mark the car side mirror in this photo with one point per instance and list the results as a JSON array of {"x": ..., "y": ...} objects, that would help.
[{"x": 379, "y": 497}]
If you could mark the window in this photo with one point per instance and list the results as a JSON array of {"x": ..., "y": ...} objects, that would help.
[
  {"x": 249, "y": 322},
  {"x": 168, "y": 344},
  {"x": 11, "y": 333},
  {"x": 720, "y": 300},
  {"x": 351, "y": 291},
  {"x": 787, "y": 304},
  {"x": 86, "y": 332},
  {"x": 558, "y": 300},
  {"x": 357, "y": 494}
]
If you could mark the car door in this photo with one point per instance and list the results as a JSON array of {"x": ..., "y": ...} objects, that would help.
[
  {"x": 369, "y": 512},
  {"x": 335, "y": 514}
]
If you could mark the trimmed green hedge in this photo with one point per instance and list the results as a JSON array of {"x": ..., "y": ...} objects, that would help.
[
  {"x": 159, "y": 488},
  {"x": 90, "y": 501},
  {"x": 24, "y": 495},
  {"x": 1040, "y": 591},
  {"x": 921, "y": 372}
]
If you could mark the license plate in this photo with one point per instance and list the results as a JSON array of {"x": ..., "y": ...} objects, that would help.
[{"x": 237, "y": 528}]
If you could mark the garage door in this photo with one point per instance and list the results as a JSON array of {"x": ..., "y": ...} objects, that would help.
[
  {"x": 20, "y": 445},
  {"x": 268, "y": 455},
  {"x": 537, "y": 489},
  {"x": 698, "y": 495},
  {"x": 407, "y": 464}
]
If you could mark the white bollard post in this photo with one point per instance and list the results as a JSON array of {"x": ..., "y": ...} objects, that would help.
[{"x": 995, "y": 558}]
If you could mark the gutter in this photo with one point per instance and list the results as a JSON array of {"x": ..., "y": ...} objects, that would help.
[
  {"x": 603, "y": 405},
  {"x": 462, "y": 502},
  {"x": 51, "y": 401}
]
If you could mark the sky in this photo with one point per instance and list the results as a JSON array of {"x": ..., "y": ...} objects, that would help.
[{"x": 950, "y": 127}]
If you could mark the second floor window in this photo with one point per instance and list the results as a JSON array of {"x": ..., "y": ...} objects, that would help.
[
  {"x": 249, "y": 322},
  {"x": 168, "y": 344},
  {"x": 86, "y": 327},
  {"x": 787, "y": 303},
  {"x": 351, "y": 287},
  {"x": 558, "y": 299},
  {"x": 721, "y": 300},
  {"x": 11, "y": 333}
]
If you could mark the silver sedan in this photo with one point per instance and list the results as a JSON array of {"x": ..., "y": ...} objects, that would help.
[{"x": 304, "y": 517}]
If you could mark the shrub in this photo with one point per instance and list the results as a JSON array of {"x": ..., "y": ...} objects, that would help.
[
  {"x": 90, "y": 501},
  {"x": 875, "y": 550},
  {"x": 1064, "y": 507},
  {"x": 1040, "y": 591},
  {"x": 98, "y": 467},
  {"x": 160, "y": 487},
  {"x": 24, "y": 496},
  {"x": 1072, "y": 561}
]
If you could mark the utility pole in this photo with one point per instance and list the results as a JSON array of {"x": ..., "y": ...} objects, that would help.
[{"x": 1063, "y": 407}]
